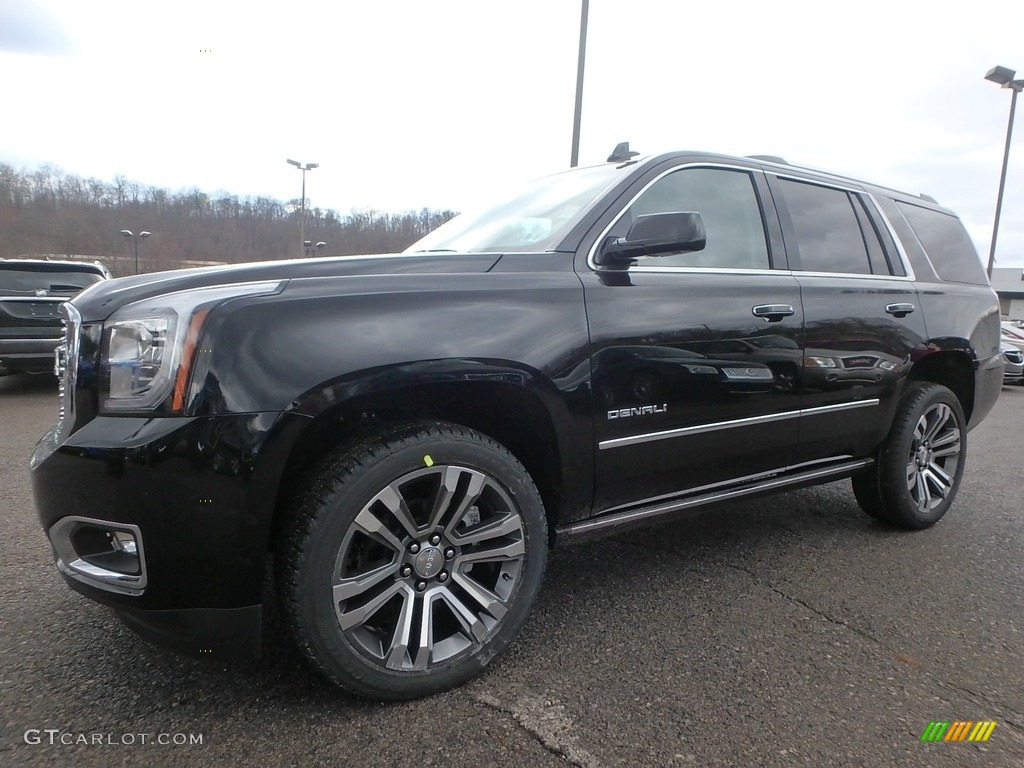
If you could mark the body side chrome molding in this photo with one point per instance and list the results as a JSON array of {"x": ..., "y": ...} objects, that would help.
[
  {"x": 622, "y": 442},
  {"x": 655, "y": 511}
]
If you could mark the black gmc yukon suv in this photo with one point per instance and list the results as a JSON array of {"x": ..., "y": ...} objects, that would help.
[{"x": 404, "y": 437}]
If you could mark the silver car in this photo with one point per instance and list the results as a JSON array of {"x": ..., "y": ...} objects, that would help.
[{"x": 1013, "y": 364}]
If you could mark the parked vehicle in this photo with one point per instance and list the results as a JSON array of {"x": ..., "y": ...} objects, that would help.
[
  {"x": 1012, "y": 335},
  {"x": 1013, "y": 364},
  {"x": 408, "y": 435},
  {"x": 31, "y": 290}
]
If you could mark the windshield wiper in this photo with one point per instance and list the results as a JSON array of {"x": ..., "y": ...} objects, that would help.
[{"x": 437, "y": 250}]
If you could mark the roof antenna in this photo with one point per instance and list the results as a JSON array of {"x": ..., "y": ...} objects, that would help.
[{"x": 621, "y": 153}]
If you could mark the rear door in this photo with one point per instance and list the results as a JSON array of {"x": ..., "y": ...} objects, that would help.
[
  {"x": 862, "y": 315},
  {"x": 692, "y": 388}
]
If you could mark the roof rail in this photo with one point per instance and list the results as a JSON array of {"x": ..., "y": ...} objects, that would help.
[
  {"x": 929, "y": 198},
  {"x": 769, "y": 159}
]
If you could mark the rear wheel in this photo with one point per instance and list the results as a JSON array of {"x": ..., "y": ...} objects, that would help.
[
  {"x": 413, "y": 559},
  {"x": 921, "y": 462}
]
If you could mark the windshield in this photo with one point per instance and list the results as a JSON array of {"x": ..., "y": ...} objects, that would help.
[
  {"x": 57, "y": 281},
  {"x": 537, "y": 218}
]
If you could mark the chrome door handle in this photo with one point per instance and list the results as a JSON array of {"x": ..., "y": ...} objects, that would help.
[
  {"x": 773, "y": 313},
  {"x": 899, "y": 310}
]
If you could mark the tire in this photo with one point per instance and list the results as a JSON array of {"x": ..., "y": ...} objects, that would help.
[
  {"x": 920, "y": 464},
  {"x": 412, "y": 559}
]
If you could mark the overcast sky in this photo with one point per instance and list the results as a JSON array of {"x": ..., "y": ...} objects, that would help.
[{"x": 441, "y": 103}]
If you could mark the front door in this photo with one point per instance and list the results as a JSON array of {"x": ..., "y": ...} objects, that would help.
[{"x": 695, "y": 356}]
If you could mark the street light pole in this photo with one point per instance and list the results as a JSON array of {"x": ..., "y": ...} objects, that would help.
[
  {"x": 302, "y": 215},
  {"x": 135, "y": 241},
  {"x": 578, "y": 114},
  {"x": 1004, "y": 78}
]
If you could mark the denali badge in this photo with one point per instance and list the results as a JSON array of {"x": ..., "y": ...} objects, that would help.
[{"x": 643, "y": 410}]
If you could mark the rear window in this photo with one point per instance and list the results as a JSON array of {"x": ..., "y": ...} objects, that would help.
[
  {"x": 49, "y": 280},
  {"x": 830, "y": 235},
  {"x": 947, "y": 244}
]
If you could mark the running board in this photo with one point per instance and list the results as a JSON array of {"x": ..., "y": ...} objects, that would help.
[{"x": 608, "y": 524}]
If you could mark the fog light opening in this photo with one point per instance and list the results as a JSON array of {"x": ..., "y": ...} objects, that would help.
[{"x": 104, "y": 554}]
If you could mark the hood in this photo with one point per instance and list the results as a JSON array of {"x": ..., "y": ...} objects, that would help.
[{"x": 101, "y": 300}]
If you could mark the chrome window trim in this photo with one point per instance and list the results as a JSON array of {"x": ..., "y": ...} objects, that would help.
[
  {"x": 710, "y": 270},
  {"x": 819, "y": 183},
  {"x": 853, "y": 275},
  {"x": 910, "y": 277},
  {"x": 668, "y": 434},
  {"x": 592, "y": 255}
]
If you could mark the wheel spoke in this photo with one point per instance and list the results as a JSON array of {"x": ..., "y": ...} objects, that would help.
[
  {"x": 507, "y": 525},
  {"x": 444, "y": 513},
  {"x": 471, "y": 624},
  {"x": 357, "y": 616},
  {"x": 924, "y": 495},
  {"x": 351, "y": 586},
  {"x": 392, "y": 499},
  {"x": 920, "y": 429},
  {"x": 942, "y": 481},
  {"x": 426, "y": 639},
  {"x": 941, "y": 416},
  {"x": 373, "y": 527},
  {"x": 512, "y": 551},
  {"x": 489, "y": 601},
  {"x": 948, "y": 441},
  {"x": 398, "y": 651}
]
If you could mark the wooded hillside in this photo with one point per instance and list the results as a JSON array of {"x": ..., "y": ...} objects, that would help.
[{"x": 50, "y": 212}]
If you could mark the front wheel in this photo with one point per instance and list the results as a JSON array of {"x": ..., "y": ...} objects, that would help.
[
  {"x": 921, "y": 462},
  {"x": 413, "y": 560}
]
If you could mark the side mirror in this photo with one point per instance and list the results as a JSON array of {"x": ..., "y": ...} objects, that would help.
[{"x": 655, "y": 234}]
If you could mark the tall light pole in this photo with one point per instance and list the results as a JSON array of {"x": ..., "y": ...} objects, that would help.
[
  {"x": 135, "y": 240},
  {"x": 1003, "y": 77},
  {"x": 578, "y": 114},
  {"x": 302, "y": 216}
]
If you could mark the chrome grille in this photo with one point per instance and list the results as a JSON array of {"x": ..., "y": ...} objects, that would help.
[
  {"x": 1014, "y": 356},
  {"x": 66, "y": 368}
]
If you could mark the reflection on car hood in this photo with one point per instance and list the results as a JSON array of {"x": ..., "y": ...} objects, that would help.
[{"x": 99, "y": 301}]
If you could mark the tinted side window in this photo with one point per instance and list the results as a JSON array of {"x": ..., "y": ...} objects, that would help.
[
  {"x": 732, "y": 217},
  {"x": 828, "y": 234},
  {"x": 947, "y": 243}
]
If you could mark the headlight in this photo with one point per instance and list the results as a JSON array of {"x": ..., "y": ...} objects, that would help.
[{"x": 149, "y": 345}]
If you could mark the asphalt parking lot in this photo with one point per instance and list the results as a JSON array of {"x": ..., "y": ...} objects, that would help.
[{"x": 787, "y": 631}]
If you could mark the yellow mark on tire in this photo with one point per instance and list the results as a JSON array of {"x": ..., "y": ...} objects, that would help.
[{"x": 428, "y": 461}]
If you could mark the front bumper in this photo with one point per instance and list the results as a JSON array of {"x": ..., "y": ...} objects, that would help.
[{"x": 191, "y": 499}]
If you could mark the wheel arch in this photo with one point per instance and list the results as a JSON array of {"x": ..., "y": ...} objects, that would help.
[
  {"x": 951, "y": 363},
  {"x": 511, "y": 404}
]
